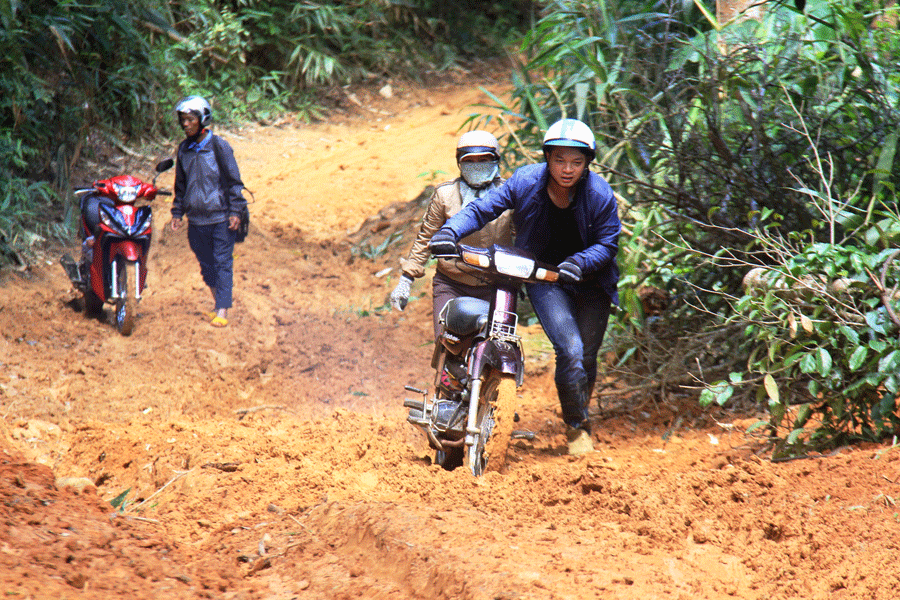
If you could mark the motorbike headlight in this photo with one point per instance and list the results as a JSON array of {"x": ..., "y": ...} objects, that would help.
[
  {"x": 143, "y": 228},
  {"x": 127, "y": 193},
  {"x": 513, "y": 265},
  {"x": 108, "y": 221}
]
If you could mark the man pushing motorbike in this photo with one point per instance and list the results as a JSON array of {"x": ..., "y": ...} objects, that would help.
[{"x": 566, "y": 215}]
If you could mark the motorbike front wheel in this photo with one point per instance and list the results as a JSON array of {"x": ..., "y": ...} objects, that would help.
[
  {"x": 496, "y": 413},
  {"x": 450, "y": 459},
  {"x": 126, "y": 304},
  {"x": 93, "y": 305}
]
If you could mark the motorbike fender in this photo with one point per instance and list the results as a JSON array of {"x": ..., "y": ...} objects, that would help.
[
  {"x": 101, "y": 269},
  {"x": 131, "y": 251},
  {"x": 128, "y": 250},
  {"x": 501, "y": 356}
]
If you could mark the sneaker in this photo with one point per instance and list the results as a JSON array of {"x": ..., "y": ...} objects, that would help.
[{"x": 579, "y": 441}]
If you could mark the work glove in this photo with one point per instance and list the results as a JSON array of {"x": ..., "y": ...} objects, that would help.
[
  {"x": 569, "y": 272},
  {"x": 400, "y": 295},
  {"x": 443, "y": 243}
]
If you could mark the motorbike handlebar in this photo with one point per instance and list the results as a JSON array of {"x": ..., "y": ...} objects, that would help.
[{"x": 163, "y": 193}]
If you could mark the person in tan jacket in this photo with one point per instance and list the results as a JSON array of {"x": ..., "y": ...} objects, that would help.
[{"x": 478, "y": 158}]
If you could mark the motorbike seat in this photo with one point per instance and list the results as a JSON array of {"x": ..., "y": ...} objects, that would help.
[{"x": 465, "y": 315}]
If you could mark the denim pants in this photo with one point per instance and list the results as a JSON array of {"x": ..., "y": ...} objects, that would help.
[
  {"x": 213, "y": 245},
  {"x": 444, "y": 289},
  {"x": 574, "y": 317}
]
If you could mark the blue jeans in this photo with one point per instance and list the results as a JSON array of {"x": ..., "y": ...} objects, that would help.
[
  {"x": 213, "y": 245},
  {"x": 444, "y": 289},
  {"x": 574, "y": 319}
]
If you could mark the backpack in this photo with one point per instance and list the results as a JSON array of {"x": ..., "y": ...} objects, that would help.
[{"x": 244, "y": 227}]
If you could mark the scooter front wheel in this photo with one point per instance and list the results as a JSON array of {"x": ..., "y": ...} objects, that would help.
[
  {"x": 126, "y": 305},
  {"x": 495, "y": 420}
]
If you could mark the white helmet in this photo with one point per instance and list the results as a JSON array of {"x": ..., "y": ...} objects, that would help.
[
  {"x": 197, "y": 106},
  {"x": 477, "y": 143},
  {"x": 571, "y": 133}
]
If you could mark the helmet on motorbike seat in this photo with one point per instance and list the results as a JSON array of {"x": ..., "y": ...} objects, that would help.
[
  {"x": 478, "y": 144},
  {"x": 570, "y": 133},
  {"x": 197, "y": 106}
]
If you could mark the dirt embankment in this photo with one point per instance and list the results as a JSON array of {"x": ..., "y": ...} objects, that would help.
[{"x": 271, "y": 459}]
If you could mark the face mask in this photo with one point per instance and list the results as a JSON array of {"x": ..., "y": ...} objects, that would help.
[{"x": 479, "y": 174}]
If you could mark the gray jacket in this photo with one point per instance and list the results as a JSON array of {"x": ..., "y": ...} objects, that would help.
[{"x": 207, "y": 182}]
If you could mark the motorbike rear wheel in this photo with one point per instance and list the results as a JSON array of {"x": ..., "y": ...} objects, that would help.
[
  {"x": 126, "y": 304},
  {"x": 495, "y": 420}
]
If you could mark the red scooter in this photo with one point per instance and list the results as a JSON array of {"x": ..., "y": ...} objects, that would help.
[{"x": 116, "y": 238}]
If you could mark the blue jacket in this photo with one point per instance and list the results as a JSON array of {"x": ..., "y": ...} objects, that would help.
[
  {"x": 596, "y": 214},
  {"x": 207, "y": 182}
]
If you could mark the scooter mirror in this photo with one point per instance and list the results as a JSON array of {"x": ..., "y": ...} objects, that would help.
[{"x": 164, "y": 165}]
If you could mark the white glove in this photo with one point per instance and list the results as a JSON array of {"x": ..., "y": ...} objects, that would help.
[{"x": 400, "y": 295}]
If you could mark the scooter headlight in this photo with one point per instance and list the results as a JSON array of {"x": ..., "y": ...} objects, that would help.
[
  {"x": 127, "y": 193},
  {"x": 513, "y": 265}
]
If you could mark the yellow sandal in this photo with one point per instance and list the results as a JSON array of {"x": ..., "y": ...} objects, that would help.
[{"x": 219, "y": 322}]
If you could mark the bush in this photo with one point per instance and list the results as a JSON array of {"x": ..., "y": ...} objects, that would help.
[{"x": 722, "y": 142}]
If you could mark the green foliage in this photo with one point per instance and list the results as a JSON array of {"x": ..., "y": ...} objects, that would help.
[
  {"x": 599, "y": 62},
  {"x": 767, "y": 143},
  {"x": 368, "y": 251},
  {"x": 19, "y": 202},
  {"x": 826, "y": 352},
  {"x": 120, "y": 502}
]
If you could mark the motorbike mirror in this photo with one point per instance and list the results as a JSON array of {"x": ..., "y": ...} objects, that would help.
[{"x": 164, "y": 165}]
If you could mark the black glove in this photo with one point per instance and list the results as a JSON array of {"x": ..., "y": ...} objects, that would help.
[
  {"x": 443, "y": 243},
  {"x": 569, "y": 272}
]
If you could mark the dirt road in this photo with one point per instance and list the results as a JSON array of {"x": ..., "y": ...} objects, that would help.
[{"x": 271, "y": 459}]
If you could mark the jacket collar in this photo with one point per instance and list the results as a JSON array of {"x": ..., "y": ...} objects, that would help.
[{"x": 198, "y": 146}]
